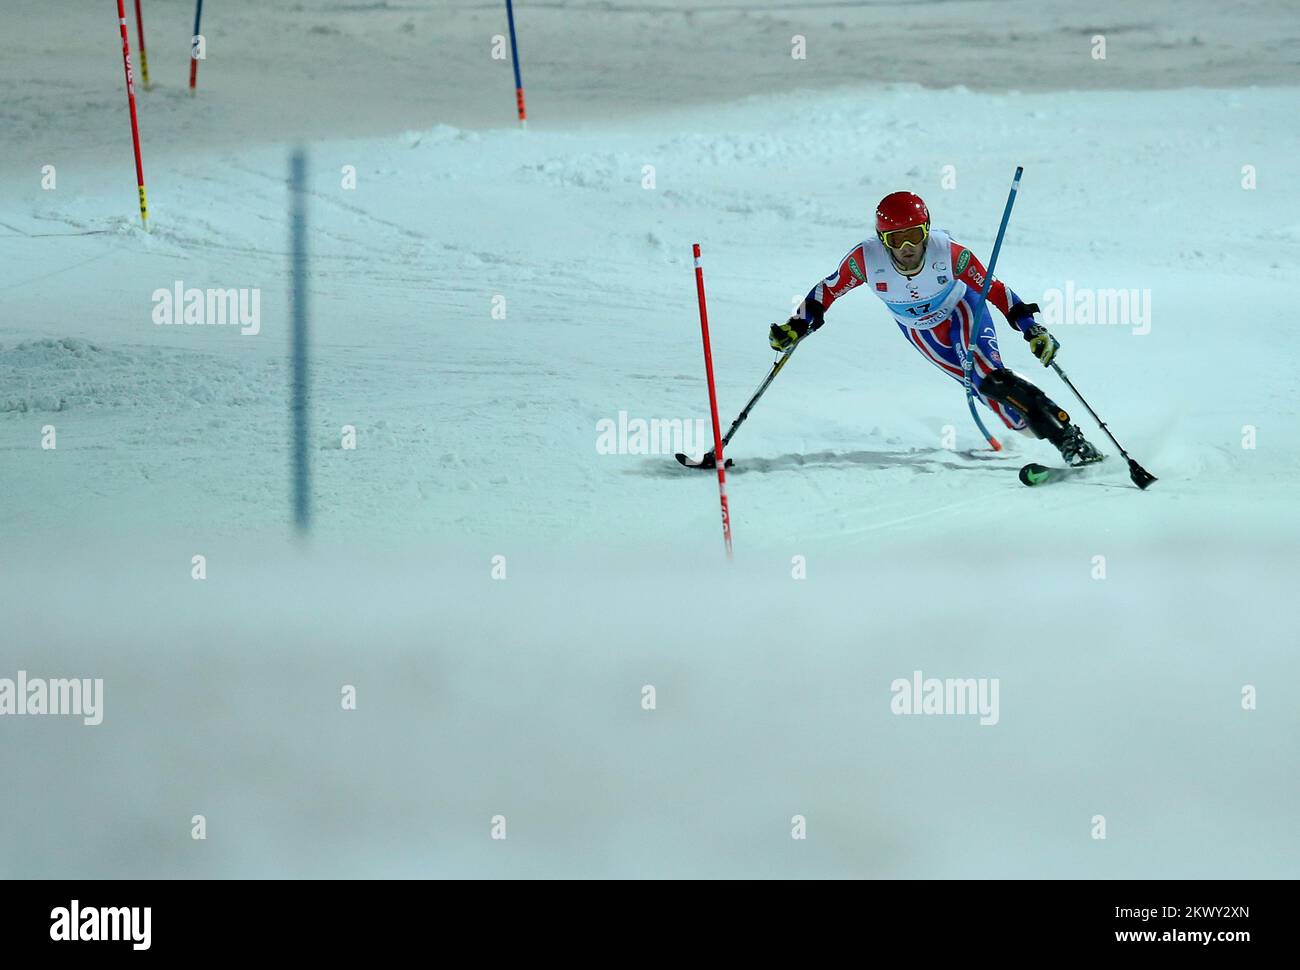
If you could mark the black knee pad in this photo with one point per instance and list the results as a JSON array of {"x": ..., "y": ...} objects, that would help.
[
  {"x": 1046, "y": 418},
  {"x": 998, "y": 383}
]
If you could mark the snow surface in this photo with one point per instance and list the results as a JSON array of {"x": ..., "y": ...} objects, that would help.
[{"x": 477, "y": 437}]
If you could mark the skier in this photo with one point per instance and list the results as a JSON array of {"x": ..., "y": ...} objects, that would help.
[{"x": 931, "y": 285}]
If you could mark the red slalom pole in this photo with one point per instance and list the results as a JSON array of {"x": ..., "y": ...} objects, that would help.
[
  {"x": 713, "y": 403},
  {"x": 194, "y": 45},
  {"x": 135, "y": 122},
  {"x": 139, "y": 33}
]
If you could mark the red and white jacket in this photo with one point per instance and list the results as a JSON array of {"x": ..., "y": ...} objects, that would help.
[{"x": 919, "y": 302}]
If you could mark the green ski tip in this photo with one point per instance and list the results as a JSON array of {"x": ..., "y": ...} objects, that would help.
[{"x": 1033, "y": 474}]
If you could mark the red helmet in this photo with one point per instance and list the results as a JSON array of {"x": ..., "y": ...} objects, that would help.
[{"x": 901, "y": 210}]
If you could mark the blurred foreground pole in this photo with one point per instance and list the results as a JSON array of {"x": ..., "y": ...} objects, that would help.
[
  {"x": 514, "y": 54},
  {"x": 298, "y": 340},
  {"x": 135, "y": 122},
  {"x": 720, "y": 459}
]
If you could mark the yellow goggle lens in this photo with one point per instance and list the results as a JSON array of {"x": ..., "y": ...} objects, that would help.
[{"x": 901, "y": 237}]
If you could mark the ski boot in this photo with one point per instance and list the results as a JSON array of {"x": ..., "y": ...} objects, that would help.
[{"x": 1075, "y": 448}]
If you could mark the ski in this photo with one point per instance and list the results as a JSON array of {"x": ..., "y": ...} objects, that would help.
[
  {"x": 1035, "y": 474},
  {"x": 707, "y": 461}
]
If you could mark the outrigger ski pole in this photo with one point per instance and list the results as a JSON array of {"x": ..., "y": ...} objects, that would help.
[
  {"x": 709, "y": 460},
  {"x": 1141, "y": 477}
]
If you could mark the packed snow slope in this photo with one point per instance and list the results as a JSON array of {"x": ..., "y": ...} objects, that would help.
[
  {"x": 486, "y": 300},
  {"x": 470, "y": 424},
  {"x": 317, "y": 68}
]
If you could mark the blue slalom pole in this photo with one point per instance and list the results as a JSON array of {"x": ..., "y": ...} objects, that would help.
[
  {"x": 968, "y": 355},
  {"x": 514, "y": 55},
  {"x": 298, "y": 341}
]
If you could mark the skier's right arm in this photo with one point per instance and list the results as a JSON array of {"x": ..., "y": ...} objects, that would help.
[{"x": 811, "y": 312}]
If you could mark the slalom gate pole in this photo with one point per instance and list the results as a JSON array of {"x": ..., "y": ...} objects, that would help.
[
  {"x": 514, "y": 55},
  {"x": 968, "y": 353},
  {"x": 299, "y": 386},
  {"x": 713, "y": 403},
  {"x": 135, "y": 121},
  {"x": 139, "y": 33},
  {"x": 194, "y": 45}
]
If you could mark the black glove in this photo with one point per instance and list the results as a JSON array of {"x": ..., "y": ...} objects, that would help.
[
  {"x": 1041, "y": 343},
  {"x": 783, "y": 336}
]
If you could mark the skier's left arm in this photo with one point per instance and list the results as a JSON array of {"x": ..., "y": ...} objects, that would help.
[{"x": 968, "y": 269}]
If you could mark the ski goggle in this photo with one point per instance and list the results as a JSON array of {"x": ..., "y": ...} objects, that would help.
[{"x": 897, "y": 238}]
